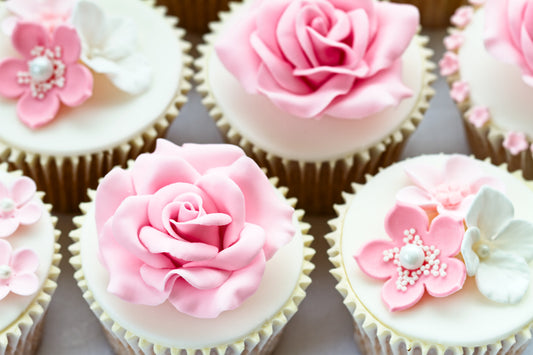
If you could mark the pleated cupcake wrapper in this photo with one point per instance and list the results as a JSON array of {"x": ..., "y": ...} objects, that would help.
[
  {"x": 22, "y": 337},
  {"x": 195, "y": 15},
  {"x": 487, "y": 141},
  {"x": 65, "y": 179},
  {"x": 260, "y": 341},
  {"x": 434, "y": 13},
  {"x": 317, "y": 185},
  {"x": 375, "y": 338}
]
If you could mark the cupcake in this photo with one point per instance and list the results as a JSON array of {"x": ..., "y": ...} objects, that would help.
[
  {"x": 85, "y": 86},
  {"x": 443, "y": 254},
  {"x": 434, "y": 13},
  {"x": 322, "y": 109},
  {"x": 216, "y": 257},
  {"x": 29, "y": 262},
  {"x": 195, "y": 15},
  {"x": 487, "y": 67}
]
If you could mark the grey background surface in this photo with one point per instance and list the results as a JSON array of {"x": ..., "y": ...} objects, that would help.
[{"x": 322, "y": 325}]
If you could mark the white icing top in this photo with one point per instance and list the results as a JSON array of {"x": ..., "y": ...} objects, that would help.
[
  {"x": 40, "y": 237},
  {"x": 164, "y": 325},
  {"x": 290, "y": 137},
  {"x": 495, "y": 84},
  {"x": 466, "y": 318},
  {"x": 109, "y": 117}
]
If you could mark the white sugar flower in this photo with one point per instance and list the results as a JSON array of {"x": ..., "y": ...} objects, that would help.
[
  {"x": 109, "y": 46},
  {"x": 497, "y": 248}
]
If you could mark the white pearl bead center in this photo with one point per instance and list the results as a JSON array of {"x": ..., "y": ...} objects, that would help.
[
  {"x": 7, "y": 205},
  {"x": 41, "y": 69},
  {"x": 5, "y": 272},
  {"x": 411, "y": 256}
]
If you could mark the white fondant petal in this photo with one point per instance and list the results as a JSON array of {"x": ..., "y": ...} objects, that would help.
[
  {"x": 133, "y": 76},
  {"x": 121, "y": 39},
  {"x": 100, "y": 64},
  {"x": 90, "y": 22},
  {"x": 503, "y": 277},
  {"x": 516, "y": 237},
  {"x": 472, "y": 236},
  {"x": 490, "y": 211}
]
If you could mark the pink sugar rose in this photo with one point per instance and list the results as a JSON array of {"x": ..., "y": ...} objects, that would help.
[
  {"x": 509, "y": 33},
  {"x": 193, "y": 225},
  {"x": 50, "y": 13},
  {"x": 17, "y": 205},
  {"x": 17, "y": 271},
  {"x": 48, "y": 74},
  {"x": 419, "y": 257},
  {"x": 321, "y": 57},
  {"x": 449, "y": 190}
]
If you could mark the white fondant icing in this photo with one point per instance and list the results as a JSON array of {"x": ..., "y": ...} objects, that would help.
[
  {"x": 493, "y": 83},
  {"x": 164, "y": 325},
  {"x": 290, "y": 137},
  {"x": 465, "y": 318},
  {"x": 109, "y": 117},
  {"x": 40, "y": 238}
]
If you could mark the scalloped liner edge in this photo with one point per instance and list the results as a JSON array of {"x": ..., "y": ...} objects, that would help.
[
  {"x": 259, "y": 341},
  {"x": 374, "y": 337},
  {"x": 487, "y": 141},
  {"x": 332, "y": 176},
  {"x": 79, "y": 172},
  {"x": 23, "y": 335}
]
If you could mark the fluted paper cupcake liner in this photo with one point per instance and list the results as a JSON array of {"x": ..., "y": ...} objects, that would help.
[
  {"x": 195, "y": 15},
  {"x": 65, "y": 179},
  {"x": 373, "y": 337},
  {"x": 23, "y": 336},
  {"x": 260, "y": 341},
  {"x": 317, "y": 184},
  {"x": 434, "y": 13}
]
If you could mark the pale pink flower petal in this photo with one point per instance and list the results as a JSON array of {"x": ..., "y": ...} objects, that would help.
[
  {"x": 449, "y": 64},
  {"x": 5, "y": 252},
  {"x": 27, "y": 35},
  {"x": 462, "y": 16},
  {"x": 37, "y": 112},
  {"x": 29, "y": 213},
  {"x": 460, "y": 91},
  {"x": 370, "y": 259},
  {"x": 454, "y": 41},
  {"x": 515, "y": 142},
  {"x": 24, "y": 284},
  {"x": 9, "y": 85},
  {"x": 78, "y": 85},
  {"x": 453, "y": 281},
  {"x": 24, "y": 261},
  {"x": 22, "y": 190},
  {"x": 478, "y": 116},
  {"x": 68, "y": 40},
  {"x": 396, "y": 300}
]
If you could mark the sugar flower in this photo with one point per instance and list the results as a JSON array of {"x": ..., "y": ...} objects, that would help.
[
  {"x": 497, "y": 248},
  {"x": 188, "y": 223},
  {"x": 449, "y": 190},
  {"x": 17, "y": 271},
  {"x": 47, "y": 75},
  {"x": 17, "y": 206},
  {"x": 418, "y": 257},
  {"x": 109, "y": 46},
  {"x": 322, "y": 57},
  {"x": 50, "y": 13}
]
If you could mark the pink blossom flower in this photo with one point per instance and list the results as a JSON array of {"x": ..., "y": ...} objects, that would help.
[
  {"x": 509, "y": 33},
  {"x": 478, "y": 116},
  {"x": 449, "y": 190},
  {"x": 419, "y": 257},
  {"x": 17, "y": 205},
  {"x": 17, "y": 271},
  {"x": 449, "y": 64},
  {"x": 48, "y": 74},
  {"x": 50, "y": 13},
  {"x": 515, "y": 142},
  {"x": 188, "y": 225},
  {"x": 462, "y": 16},
  {"x": 317, "y": 57},
  {"x": 454, "y": 41},
  {"x": 460, "y": 91}
]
